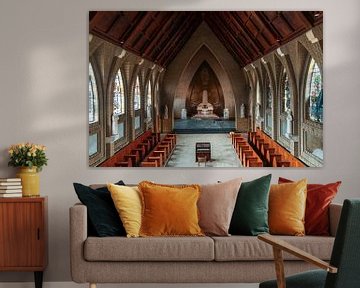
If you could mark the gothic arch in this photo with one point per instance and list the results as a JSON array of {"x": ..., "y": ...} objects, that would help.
[{"x": 203, "y": 55}]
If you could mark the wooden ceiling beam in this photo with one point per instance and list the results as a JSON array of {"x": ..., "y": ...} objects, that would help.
[
  {"x": 231, "y": 40},
  {"x": 185, "y": 23},
  {"x": 228, "y": 45},
  {"x": 160, "y": 33},
  {"x": 165, "y": 41},
  {"x": 137, "y": 28},
  {"x": 248, "y": 35},
  {"x": 173, "y": 52},
  {"x": 98, "y": 18},
  {"x": 269, "y": 27}
]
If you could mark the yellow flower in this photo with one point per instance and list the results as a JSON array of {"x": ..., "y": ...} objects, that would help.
[
  {"x": 28, "y": 154},
  {"x": 11, "y": 151}
]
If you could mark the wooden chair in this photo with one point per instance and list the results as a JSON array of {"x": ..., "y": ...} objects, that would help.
[{"x": 343, "y": 270}]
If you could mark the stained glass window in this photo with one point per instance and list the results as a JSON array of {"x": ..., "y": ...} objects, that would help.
[
  {"x": 137, "y": 98},
  {"x": 287, "y": 94},
  {"x": 119, "y": 95},
  {"x": 315, "y": 93},
  {"x": 268, "y": 93},
  {"x": 93, "y": 97},
  {"x": 268, "y": 105},
  {"x": 148, "y": 101},
  {"x": 286, "y": 119}
]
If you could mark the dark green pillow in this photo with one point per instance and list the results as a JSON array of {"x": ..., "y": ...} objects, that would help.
[
  {"x": 103, "y": 218},
  {"x": 250, "y": 216}
]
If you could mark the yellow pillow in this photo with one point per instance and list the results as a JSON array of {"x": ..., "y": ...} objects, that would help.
[
  {"x": 287, "y": 204},
  {"x": 169, "y": 210},
  {"x": 127, "y": 201}
]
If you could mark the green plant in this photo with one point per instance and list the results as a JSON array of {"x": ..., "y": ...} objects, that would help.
[{"x": 27, "y": 155}]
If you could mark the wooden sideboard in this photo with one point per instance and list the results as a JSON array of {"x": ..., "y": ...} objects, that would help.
[{"x": 23, "y": 235}]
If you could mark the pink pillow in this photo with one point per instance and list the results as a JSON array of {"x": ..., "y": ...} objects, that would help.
[{"x": 216, "y": 206}]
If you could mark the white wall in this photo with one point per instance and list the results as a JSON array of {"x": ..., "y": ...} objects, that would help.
[{"x": 43, "y": 90}]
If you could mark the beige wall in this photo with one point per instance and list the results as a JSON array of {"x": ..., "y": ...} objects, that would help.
[{"x": 43, "y": 82}]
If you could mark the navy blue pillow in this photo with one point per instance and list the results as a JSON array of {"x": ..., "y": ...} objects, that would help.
[{"x": 103, "y": 218}]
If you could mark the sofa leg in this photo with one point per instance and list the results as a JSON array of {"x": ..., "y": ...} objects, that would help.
[{"x": 92, "y": 285}]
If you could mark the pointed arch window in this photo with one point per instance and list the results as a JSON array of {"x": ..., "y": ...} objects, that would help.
[
  {"x": 258, "y": 102},
  {"x": 119, "y": 94},
  {"x": 286, "y": 105},
  {"x": 93, "y": 97},
  {"x": 137, "y": 97},
  {"x": 148, "y": 101},
  {"x": 315, "y": 92},
  {"x": 268, "y": 105},
  {"x": 286, "y": 112}
]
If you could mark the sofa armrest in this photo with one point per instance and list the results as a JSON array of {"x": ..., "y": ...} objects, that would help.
[
  {"x": 78, "y": 235},
  {"x": 334, "y": 217}
]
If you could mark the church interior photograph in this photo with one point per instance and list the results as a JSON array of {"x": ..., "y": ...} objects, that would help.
[{"x": 205, "y": 89}]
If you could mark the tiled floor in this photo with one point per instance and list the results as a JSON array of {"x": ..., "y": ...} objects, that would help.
[{"x": 222, "y": 152}]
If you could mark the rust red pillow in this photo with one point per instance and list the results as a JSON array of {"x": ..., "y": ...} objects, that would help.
[{"x": 319, "y": 197}]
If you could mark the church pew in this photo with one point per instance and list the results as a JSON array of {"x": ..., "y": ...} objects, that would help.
[
  {"x": 149, "y": 164},
  {"x": 132, "y": 154},
  {"x": 272, "y": 152},
  {"x": 246, "y": 154},
  {"x": 162, "y": 151}
]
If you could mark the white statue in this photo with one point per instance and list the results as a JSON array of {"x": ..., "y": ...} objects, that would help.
[
  {"x": 226, "y": 113},
  {"x": 148, "y": 111},
  {"x": 183, "y": 113},
  {"x": 257, "y": 111},
  {"x": 289, "y": 120},
  {"x": 242, "y": 110},
  {"x": 166, "y": 112},
  {"x": 114, "y": 124}
]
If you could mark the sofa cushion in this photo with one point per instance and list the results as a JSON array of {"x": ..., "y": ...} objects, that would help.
[
  {"x": 250, "y": 215},
  {"x": 318, "y": 199},
  {"x": 287, "y": 204},
  {"x": 149, "y": 249},
  {"x": 127, "y": 201},
  {"x": 216, "y": 206},
  {"x": 245, "y": 248},
  {"x": 102, "y": 216},
  {"x": 169, "y": 210}
]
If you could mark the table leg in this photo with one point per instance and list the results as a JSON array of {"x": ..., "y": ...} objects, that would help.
[{"x": 38, "y": 279}]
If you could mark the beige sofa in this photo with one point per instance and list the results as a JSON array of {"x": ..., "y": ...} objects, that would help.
[{"x": 234, "y": 259}]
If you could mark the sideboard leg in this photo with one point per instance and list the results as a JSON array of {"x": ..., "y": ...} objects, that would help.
[
  {"x": 92, "y": 285},
  {"x": 38, "y": 279}
]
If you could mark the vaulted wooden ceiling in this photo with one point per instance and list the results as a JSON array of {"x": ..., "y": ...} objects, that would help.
[{"x": 159, "y": 35}]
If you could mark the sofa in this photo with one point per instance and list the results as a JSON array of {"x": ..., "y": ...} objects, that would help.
[{"x": 233, "y": 259}]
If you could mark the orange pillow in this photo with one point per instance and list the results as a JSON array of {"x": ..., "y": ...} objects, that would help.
[
  {"x": 169, "y": 210},
  {"x": 287, "y": 204}
]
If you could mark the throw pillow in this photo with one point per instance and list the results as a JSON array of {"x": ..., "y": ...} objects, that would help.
[
  {"x": 169, "y": 210},
  {"x": 250, "y": 215},
  {"x": 216, "y": 206},
  {"x": 103, "y": 218},
  {"x": 319, "y": 197},
  {"x": 127, "y": 201},
  {"x": 287, "y": 204}
]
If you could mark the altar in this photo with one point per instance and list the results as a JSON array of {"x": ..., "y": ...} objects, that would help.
[{"x": 205, "y": 110}]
